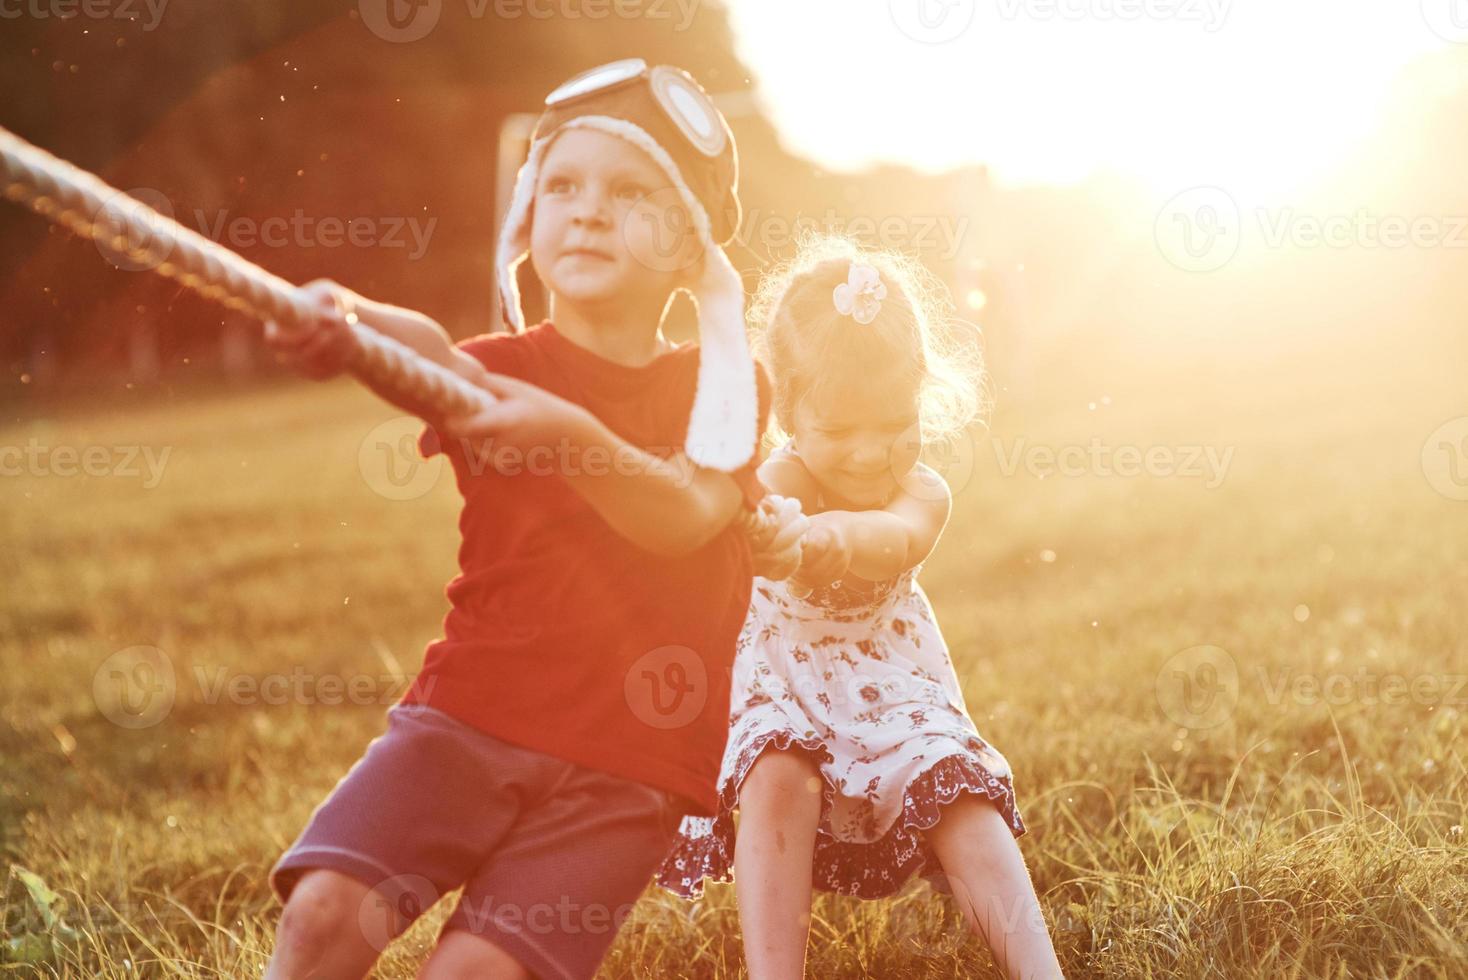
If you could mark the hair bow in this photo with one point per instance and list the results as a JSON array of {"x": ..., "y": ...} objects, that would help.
[{"x": 861, "y": 295}]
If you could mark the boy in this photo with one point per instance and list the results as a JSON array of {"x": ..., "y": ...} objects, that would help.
[{"x": 577, "y": 705}]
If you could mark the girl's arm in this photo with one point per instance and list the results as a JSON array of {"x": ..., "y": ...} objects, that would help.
[
  {"x": 870, "y": 544},
  {"x": 785, "y": 475},
  {"x": 885, "y": 542}
]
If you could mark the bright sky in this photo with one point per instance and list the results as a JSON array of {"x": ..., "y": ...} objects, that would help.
[{"x": 1253, "y": 93}]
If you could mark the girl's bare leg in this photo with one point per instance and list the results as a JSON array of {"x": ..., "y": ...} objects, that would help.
[
  {"x": 984, "y": 866},
  {"x": 779, "y": 808}
]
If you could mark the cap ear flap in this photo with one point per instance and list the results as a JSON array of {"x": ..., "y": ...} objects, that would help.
[{"x": 514, "y": 243}]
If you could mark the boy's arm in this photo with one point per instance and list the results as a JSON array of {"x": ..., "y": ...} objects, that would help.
[
  {"x": 668, "y": 506},
  {"x": 425, "y": 336},
  {"x": 902, "y": 534}
]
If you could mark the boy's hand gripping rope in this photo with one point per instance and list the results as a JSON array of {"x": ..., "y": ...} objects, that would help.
[{"x": 131, "y": 230}]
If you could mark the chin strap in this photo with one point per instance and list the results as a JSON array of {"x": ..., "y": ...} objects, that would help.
[{"x": 130, "y": 231}]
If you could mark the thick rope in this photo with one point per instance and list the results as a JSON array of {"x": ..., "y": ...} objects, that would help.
[{"x": 129, "y": 230}]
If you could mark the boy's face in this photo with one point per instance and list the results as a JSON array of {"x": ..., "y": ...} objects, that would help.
[
  {"x": 858, "y": 444},
  {"x": 604, "y": 227}
]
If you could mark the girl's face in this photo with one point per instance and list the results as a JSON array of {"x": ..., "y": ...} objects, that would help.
[
  {"x": 858, "y": 444},
  {"x": 600, "y": 208}
]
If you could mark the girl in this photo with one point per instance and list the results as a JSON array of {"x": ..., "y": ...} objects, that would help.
[{"x": 851, "y": 756}]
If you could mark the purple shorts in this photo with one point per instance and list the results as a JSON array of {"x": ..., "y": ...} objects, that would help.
[{"x": 552, "y": 856}]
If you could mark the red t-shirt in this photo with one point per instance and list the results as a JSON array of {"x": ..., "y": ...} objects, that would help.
[{"x": 563, "y": 636}]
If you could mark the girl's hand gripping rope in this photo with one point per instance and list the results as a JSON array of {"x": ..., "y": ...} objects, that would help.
[
  {"x": 776, "y": 541},
  {"x": 825, "y": 552}
]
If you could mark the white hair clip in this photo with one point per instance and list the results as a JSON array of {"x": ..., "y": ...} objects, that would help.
[{"x": 861, "y": 295}]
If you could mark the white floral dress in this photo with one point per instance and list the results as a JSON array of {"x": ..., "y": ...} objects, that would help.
[{"x": 862, "y": 679}]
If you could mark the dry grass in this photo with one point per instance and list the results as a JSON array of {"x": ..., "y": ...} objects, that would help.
[{"x": 1297, "y": 837}]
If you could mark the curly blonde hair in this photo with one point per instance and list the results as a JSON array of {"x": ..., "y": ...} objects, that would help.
[{"x": 916, "y": 337}]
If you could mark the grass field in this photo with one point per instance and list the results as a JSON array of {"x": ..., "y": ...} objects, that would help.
[{"x": 1290, "y": 804}]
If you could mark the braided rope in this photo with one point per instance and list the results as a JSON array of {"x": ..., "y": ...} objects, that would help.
[{"x": 129, "y": 230}]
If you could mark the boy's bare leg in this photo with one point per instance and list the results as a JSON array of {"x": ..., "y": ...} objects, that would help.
[
  {"x": 992, "y": 886},
  {"x": 320, "y": 935},
  {"x": 779, "y": 808}
]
